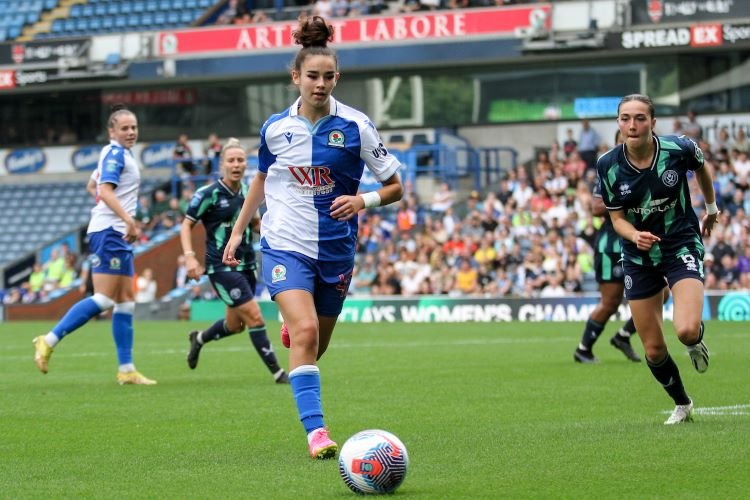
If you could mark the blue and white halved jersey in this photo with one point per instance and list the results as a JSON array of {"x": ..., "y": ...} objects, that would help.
[
  {"x": 116, "y": 166},
  {"x": 308, "y": 167}
]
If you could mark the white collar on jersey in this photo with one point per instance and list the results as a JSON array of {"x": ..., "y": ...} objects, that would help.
[
  {"x": 654, "y": 160},
  {"x": 333, "y": 111}
]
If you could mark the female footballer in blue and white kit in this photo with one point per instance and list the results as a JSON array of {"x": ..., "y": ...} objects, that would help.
[
  {"x": 111, "y": 231},
  {"x": 311, "y": 160},
  {"x": 644, "y": 185},
  {"x": 217, "y": 206}
]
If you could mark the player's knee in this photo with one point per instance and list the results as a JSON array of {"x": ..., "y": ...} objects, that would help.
[
  {"x": 306, "y": 335},
  {"x": 688, "y": 331},
  {"x": 234, "y": 326},
  {"x": 655, "y": 352},
  {"x": 609, "y": 304},
  {"x": 104, "y": 302}
]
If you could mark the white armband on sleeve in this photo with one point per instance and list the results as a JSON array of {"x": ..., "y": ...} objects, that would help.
[
  {"x": 371, "y": 199},
  {"x": 711, "y": 208}
]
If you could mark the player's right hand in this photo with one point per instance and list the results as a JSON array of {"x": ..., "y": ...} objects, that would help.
[
  {"x": 193, "y": 267},
  {"x": 232, "y": 245},
  {"x": 644, "y": 240}
]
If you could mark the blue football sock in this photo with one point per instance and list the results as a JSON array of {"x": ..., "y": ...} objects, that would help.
[
  {"x": 77, "y": 316},
  {"x": 305, "y": 381},
  {"x": 122, "y": 331}
]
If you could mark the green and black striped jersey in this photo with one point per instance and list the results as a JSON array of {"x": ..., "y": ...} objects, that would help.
[
  {"x": 218, "y": 207},
  {"x": 654, "y": 199},
  {"x": 607, "y": 240}
]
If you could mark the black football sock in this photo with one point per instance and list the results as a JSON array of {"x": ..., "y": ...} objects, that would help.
[
  {"x": 667, "y": 374},
  {"x": 700, "y": 335},
  {"x": 590, "y": 334},
  {"x": 627, "y": 329},
  {"x": 216, "y": 331},
  {"x": 261, "y": 343}
]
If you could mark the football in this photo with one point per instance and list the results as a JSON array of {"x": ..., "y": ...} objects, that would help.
[{"x": 373, "y": 461}]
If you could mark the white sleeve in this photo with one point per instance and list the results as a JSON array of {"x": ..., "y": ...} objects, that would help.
[{"x": 377, "y": 158}]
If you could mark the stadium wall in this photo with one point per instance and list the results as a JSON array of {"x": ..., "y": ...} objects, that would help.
[
  {"x": 733, "y": 306},
  {"x": 161, "y": 259}
]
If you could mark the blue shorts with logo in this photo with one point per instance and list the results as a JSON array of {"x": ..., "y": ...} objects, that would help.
[
  {"x": 110, "y": 253},
  {"x": 328, "y": 282},
  {"x": 234, "y": 287},
  {"x": 642, "y": 282}
]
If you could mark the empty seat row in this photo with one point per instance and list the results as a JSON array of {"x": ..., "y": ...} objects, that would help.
[
  {"x": 130, "y": 22},
  {"x": 21, "y": 7},
  {"x": 152, "y": 5}
]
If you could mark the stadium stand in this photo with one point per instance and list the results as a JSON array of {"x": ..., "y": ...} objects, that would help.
[
  {"x": 39, "y": 19},
  {"x": 38, "y": 214}
]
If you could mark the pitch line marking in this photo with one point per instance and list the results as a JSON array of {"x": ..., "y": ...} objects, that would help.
[{"x": 733, "y": 410}]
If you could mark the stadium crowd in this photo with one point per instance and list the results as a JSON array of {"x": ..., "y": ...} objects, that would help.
[{"x": 531, "y": 235}]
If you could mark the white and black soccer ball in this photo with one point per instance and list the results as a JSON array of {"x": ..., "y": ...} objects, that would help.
[{"x": 373, "y": 461}]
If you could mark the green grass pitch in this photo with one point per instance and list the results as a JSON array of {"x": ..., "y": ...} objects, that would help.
[{"x": 485, "y": 410}]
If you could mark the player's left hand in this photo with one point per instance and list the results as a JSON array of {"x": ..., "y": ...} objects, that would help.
[
  {"x": 345, "y": 207},
  {"x": 707, "y": 223}
]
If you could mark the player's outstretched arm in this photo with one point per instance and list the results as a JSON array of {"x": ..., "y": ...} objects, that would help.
[
  {"x": 705, "y": 181},
  {"x": 345, "y": 207},
  {"x": 642, "y": 239},
  {"x": 255, "y": 195}
]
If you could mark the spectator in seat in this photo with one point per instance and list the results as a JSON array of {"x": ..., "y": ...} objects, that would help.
[
  {"x": 588, "y": 144},
  {"x": 183, "y": 155},
  {"x": 211, "y": 153}
]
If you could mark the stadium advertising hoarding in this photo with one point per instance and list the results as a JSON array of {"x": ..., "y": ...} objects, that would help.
[
  {"x": 433, "y": 309},
  {"x": 50, "y": 54},
  {"x": 681, "y": 11},
  {"x": 437, "y": 26},
  {"x": 67, "y": 159},
  {"x": 704, "y": 35}
]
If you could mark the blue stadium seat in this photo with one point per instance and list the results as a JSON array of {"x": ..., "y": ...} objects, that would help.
[
  {"x": 160, "y": 19},
  {"x": 76, "y": 10},
  {"x": 113, "y": 8},
  {"x": 186, "y": 17},
  {"x": 100, "y": 9},
  {"x": 108, "y": 23},
  {"x": 191, "y": 4},
  {"x": 152, "y": 5},
  {"x": 173, "y": 18},
  {"x": 87, "y": 10},
  {"x": 14, "y": 32},
  {"x": 121, "y": 22},
  {"x": 205, "y": 3},
  {"x": 95, "y": 24},
  {"x": 178, "y": 4},
  {"x": 165, "y": 5},
  {"x": 139, "y": 6},
  {"x": 82, "y": 24},
  {"x": 50, "y": 4},
  {"x": 69, "y": 25},
  {"x": 32, "y": 17},
  {"x": 134, "y": 20},
  {"x": 147, "y": 19}
]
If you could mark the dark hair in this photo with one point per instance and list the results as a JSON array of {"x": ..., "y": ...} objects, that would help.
[
  {"x": 115, "y": 112},
  {"x": 313, "y": 33},
  {"x": 638, "y": 97}
]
